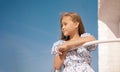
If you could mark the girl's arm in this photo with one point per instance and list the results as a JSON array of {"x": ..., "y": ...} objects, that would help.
[
  {"x": 58, "y": 60},
  {"x": 79, "y": 42},
  {"x": 68, "y": 45}
]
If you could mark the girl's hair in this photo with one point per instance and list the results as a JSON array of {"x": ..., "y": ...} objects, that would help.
[{"x": 75, "y": 18}]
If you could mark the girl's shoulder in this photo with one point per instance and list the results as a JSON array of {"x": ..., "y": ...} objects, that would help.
[
  {"x": 55, "y": 46},
  {"x": 90, "y": 47},
  {"x": 86, "y": 34},
  {"x": 58, "y": 42}
]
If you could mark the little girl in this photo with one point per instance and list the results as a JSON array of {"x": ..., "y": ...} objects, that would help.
[{"x": 68, "y": 51}]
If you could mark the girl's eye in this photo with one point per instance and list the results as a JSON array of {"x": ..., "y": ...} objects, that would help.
[{"x": 65, "y": 23}]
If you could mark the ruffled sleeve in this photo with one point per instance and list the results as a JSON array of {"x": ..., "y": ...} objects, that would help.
[
  {"x": 90, "y": 47},
  {"x": 55, "y": 46}
]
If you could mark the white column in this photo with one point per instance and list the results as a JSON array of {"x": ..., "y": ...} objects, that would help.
[{"x": 109, "y": 28}]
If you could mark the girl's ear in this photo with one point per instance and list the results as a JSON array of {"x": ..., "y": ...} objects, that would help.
[{"x": 76, "y": 24}]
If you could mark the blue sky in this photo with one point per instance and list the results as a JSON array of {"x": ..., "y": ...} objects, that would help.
[{"x": 28, "y": 28}]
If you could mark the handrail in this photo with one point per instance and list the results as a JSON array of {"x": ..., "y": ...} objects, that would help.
[
  {"x": 101, "y": 41},
  {"x": 97, "y": 42}
]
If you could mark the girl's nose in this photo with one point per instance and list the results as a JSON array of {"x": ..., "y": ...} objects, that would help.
[{"x": 63, "y": 27}]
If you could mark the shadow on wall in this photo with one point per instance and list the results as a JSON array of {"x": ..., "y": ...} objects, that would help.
[{"x": 109, "y": 13}]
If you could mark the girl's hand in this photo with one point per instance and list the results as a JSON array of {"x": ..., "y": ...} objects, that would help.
[{"x": 62, "y": 49}]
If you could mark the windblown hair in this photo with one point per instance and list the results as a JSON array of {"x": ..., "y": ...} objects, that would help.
[{"x": 75, "y": 18}]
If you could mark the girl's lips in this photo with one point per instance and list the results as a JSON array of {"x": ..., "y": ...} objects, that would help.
[{"x": 64, "y": 31}]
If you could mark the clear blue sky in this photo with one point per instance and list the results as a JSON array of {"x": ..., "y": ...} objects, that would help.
[{"x": 28, "y": 29}]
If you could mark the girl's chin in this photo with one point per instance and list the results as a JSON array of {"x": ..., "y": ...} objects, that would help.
[{"x": 65, "y": 34}]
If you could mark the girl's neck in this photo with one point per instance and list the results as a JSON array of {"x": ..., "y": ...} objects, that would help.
[{"x": 74, "y": 36}]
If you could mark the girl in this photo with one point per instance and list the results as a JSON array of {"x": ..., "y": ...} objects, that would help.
[{"x": 68, "y": 51}]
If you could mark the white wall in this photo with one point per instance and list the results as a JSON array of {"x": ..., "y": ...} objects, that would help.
[{"x": 109, "y": 28}]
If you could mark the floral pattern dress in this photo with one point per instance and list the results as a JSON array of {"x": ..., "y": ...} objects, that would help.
[{"x": 78, "y": 59}]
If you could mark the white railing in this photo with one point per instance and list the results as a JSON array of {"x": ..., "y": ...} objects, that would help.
[
  {"x": 101, "y": 41},
  {"x": 97, "y": 42}
]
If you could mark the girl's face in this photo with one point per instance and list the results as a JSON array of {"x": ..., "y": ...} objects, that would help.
[{"x": 68, "y": 26}]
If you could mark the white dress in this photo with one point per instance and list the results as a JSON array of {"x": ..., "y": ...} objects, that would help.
[{"x": 78, "y": 59}]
